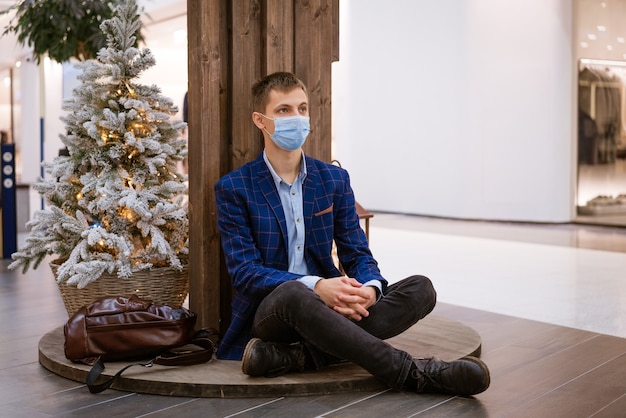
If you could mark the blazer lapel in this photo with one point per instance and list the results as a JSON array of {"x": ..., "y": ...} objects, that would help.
[
  {"x": 309, "y": 189},
  {"x": 268, "y": 188}
]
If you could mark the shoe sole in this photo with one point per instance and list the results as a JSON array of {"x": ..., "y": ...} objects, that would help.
[
  {"x": 246, "y": 355},
  {"x": 485, "y": 370}
]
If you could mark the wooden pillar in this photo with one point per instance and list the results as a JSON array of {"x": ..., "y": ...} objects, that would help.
[
  {"x": 208, "y": 147},
  {"x": 231, "y": 45}
]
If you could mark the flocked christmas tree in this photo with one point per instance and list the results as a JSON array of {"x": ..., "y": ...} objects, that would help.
[{"x": 116, "y": 203}]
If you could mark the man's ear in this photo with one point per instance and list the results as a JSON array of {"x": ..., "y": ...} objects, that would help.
[
  {"x": 264, "y": 123},
  {"x": 258, "y": 120}
]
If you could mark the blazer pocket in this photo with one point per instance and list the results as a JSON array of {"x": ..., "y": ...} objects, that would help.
[{"x": 327, "y": 210}]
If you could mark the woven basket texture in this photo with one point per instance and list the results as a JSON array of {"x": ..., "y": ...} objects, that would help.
[{"x": 163, "y": 286}]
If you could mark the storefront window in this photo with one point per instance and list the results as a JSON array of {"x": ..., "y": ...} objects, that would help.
[{"x": 601, "y": 52}]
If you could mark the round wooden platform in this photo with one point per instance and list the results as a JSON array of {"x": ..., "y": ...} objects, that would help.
[{"x": 433, "y": 336}]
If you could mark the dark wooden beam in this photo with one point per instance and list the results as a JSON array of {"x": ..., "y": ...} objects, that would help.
[
  {"x": 314, "y": 53},
  {"x": 231, "y": 45},
  {"x": 208, "y": 148}
]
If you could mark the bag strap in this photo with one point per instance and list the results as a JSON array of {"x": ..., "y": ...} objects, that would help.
[
  {"x": 97, "y": 370},
  {"x": 168, "y": 358},
  {"x": 187, "y": 358}
]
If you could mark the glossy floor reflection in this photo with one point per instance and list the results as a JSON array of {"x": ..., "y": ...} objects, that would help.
[{"x": 569, "y": 275}]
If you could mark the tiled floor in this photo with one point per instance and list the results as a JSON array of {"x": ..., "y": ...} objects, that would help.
[{"x": 569, "y": 275}]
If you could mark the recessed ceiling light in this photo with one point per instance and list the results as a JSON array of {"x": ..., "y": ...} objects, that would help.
[
  {"x": 584, "y": 45},
  {"x": 609, "y": 47},
  {"x": 603, "y": 4},
  {"x": 621, "y": 40},
  {"x": 601, "y": 28},
  {"x": 592, "y": 36}
]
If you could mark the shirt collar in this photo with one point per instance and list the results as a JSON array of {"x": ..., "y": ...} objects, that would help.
[{"x": 277, "y": 178}]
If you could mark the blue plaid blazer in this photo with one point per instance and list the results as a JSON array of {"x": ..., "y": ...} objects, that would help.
[{"x": 254, "y": 238}]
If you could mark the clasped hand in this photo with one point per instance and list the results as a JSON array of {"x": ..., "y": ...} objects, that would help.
[{"x": 346, "y": 296}]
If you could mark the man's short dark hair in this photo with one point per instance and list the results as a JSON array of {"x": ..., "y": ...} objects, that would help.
[{"x": 281, "y": 81}]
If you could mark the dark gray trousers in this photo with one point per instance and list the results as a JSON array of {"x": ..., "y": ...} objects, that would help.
[{"x": 294, "y": 313}]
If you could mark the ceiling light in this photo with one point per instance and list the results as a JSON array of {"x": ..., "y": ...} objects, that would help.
[
  {"x": 584, "y": 45},
  {"x": 609, "y": 47},
  {"x": 601, "y": 28},
  {"x": 603, "y": 4},
  {"x": 18, "y": 64},
  {"x": 592, "y": 36}
]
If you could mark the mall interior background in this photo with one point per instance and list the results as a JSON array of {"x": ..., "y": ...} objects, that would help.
[{"x": 460, "y": 108}]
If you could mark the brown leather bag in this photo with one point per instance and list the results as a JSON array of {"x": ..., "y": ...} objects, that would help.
[{"x": 121, "y": 328}]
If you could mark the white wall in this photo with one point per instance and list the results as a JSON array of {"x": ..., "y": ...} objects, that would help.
[
  {"x": 53, "y": 125},
  {"x": 28, "y": 143},
  {"x": 5, "y": 102},
  {"x": 457, "y": 108}
]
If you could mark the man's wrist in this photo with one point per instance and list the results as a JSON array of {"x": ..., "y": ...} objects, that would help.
[{"x": 309, "y": 281}]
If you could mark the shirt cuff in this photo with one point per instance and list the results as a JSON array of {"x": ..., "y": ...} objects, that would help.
[
  {"x": 379, "y": 288},
  {"x": 309, "y": 281}
]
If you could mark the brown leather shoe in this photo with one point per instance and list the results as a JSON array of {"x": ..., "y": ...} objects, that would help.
[
  {"x": 262, "y": 358},
  {"x": 466, "y": 376}
]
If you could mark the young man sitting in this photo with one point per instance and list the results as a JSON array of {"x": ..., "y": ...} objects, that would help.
[{"x": 293, "y": 310}]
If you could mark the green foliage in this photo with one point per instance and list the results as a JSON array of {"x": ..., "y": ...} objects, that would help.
[{"x": 63, "y": 29}]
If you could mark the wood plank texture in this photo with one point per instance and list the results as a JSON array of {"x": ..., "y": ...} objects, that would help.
[
  {"x": 279, "y": 37},
  {"x": 314, "y": 28},
  {"x": 231, "y": 45},
  {"x": 208, "y": 143},
  {"x": 433, "y": 336}
]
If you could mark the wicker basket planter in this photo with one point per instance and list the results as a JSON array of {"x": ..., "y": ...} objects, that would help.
[{"x": 163, "y": 286}]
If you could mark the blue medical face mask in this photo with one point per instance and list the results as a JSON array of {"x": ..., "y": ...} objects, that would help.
[{"x": 290, "y": 132}]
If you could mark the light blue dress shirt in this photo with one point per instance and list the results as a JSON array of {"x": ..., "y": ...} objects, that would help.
[{"x": 291, "y": 199}]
